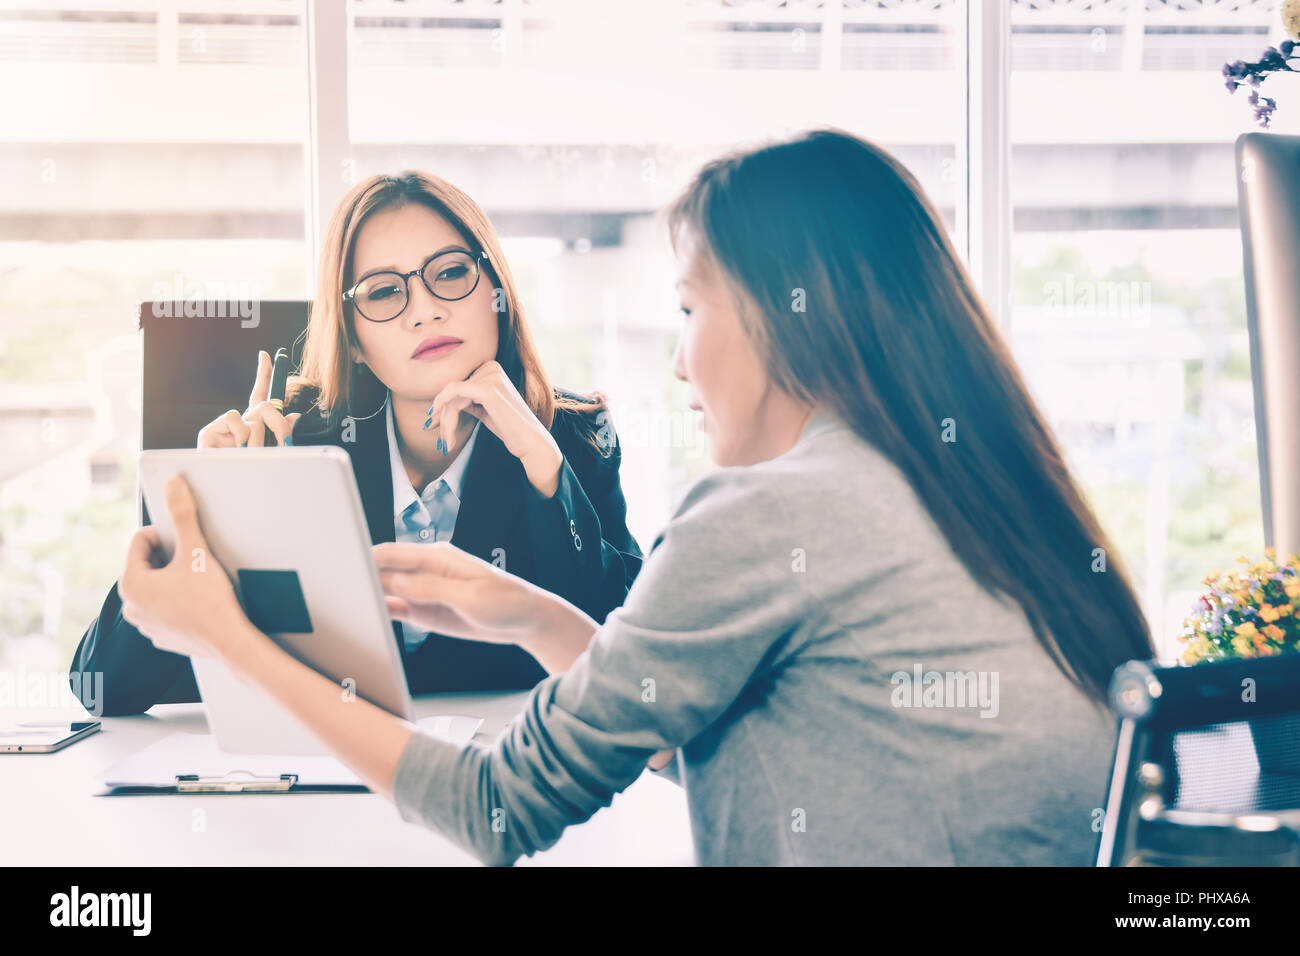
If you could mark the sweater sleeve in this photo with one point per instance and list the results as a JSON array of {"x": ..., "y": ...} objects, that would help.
[{"x": 711, "y": 613}]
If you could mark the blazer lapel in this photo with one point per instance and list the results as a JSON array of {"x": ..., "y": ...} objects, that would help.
[
  {"x": 369, "y": 453},
  {"x": 366, "y": 442},
  {"x": 491, "y": 497}
]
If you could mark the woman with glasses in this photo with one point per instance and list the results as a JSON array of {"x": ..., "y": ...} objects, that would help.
[
  {"x": 418, "y": 362},
  {"x": 880, "y": 634}
]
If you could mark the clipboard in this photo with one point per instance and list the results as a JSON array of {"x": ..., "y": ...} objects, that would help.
[{"x": 194, "y": 763}]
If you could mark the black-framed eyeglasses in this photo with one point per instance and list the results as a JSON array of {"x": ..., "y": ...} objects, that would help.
[{"x": 449, "y": 275}]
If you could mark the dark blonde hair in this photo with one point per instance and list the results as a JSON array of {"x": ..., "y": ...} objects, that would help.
[
  {"x": 893, "y": 338},
  {"x": 327, "y": 376}
]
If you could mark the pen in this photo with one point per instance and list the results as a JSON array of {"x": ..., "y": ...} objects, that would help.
[{"x": 279, "y": 379}]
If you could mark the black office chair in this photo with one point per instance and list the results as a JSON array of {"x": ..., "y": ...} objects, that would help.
[
  {"x": 1207, "y": 765},
  {"x": 200, "y": 358}
]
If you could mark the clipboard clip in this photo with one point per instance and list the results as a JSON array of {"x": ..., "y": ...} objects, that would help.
[{"x": 227, "y": 783}]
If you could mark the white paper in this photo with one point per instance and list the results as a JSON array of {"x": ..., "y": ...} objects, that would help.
[{"x": 161, "y": 762}]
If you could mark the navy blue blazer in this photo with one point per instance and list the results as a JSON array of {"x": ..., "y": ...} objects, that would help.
[{"x": 574, "y": 544}]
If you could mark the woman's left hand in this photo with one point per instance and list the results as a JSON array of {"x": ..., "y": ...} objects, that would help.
[
  {"x": 188, "y": 605},
  {"x": 491, "y": 397},
  {"x": 441, "y": 588}
]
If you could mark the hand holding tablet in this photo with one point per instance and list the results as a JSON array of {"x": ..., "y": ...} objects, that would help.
[
  {"x": 296, "y": 565},
  {"x": 187, "y": 604}
]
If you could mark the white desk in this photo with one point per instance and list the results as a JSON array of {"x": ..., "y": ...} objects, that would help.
[{"x": 50, "y": 817}]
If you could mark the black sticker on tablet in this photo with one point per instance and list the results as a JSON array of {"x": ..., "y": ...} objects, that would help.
[{"x": 273, "y": 601}]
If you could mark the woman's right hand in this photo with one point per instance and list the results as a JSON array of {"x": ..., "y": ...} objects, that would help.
[{"x": 233, "y": 430}]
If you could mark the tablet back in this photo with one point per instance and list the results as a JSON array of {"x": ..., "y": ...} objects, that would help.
[{"x": 287, "y": 526}]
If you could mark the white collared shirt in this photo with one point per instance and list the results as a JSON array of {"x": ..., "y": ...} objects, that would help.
[{"x": 432, "y": 515}]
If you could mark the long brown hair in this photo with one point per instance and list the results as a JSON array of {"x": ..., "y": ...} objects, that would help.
[
  {"x": 328, "y": 378},
  {"x": 894, "y": 339}
]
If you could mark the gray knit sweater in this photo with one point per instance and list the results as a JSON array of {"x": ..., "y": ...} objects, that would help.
[{"x": 839, "y": 689}]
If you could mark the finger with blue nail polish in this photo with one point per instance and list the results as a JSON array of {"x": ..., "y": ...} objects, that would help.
[{"x": 449, "y": 418}]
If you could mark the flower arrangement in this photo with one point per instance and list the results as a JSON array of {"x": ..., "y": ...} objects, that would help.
[
  {"x": 1246, "y": 613},
  {"x": 1275, "y": 59}
]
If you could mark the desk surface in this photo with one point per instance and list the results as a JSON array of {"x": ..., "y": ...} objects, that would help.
[{"x": 49, "y": 815}]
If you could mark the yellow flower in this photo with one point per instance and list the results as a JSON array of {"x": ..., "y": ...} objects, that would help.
[
  {"x": 1244, "y": 630},
  {"x": 1273, "y": 632},
  {"x": 1268, "y": 613},
  {"x": 1292, "y": 587}
]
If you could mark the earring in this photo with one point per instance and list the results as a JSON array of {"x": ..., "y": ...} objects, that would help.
[{"x": 360, "y": 418}]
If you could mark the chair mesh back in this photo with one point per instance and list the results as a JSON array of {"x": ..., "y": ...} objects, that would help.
[{"x": 1217, "y": 768}]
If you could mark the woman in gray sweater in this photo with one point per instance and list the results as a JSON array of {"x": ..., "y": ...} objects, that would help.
[{"x": 880, "y": 633}]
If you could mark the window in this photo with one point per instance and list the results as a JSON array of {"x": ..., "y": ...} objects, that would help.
[
  {"x": 1129, "y": 307},
  {"x": 156, "y": 150},
  {"x": 166, "y": 148}
]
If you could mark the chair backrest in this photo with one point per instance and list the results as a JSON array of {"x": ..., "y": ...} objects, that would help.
[
  {"x": 1207, "y": 764},
  {"x": 200, "y": 358}
]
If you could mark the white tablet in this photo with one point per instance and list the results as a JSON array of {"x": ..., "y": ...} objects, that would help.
[{"x": 287, "y": 526}]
